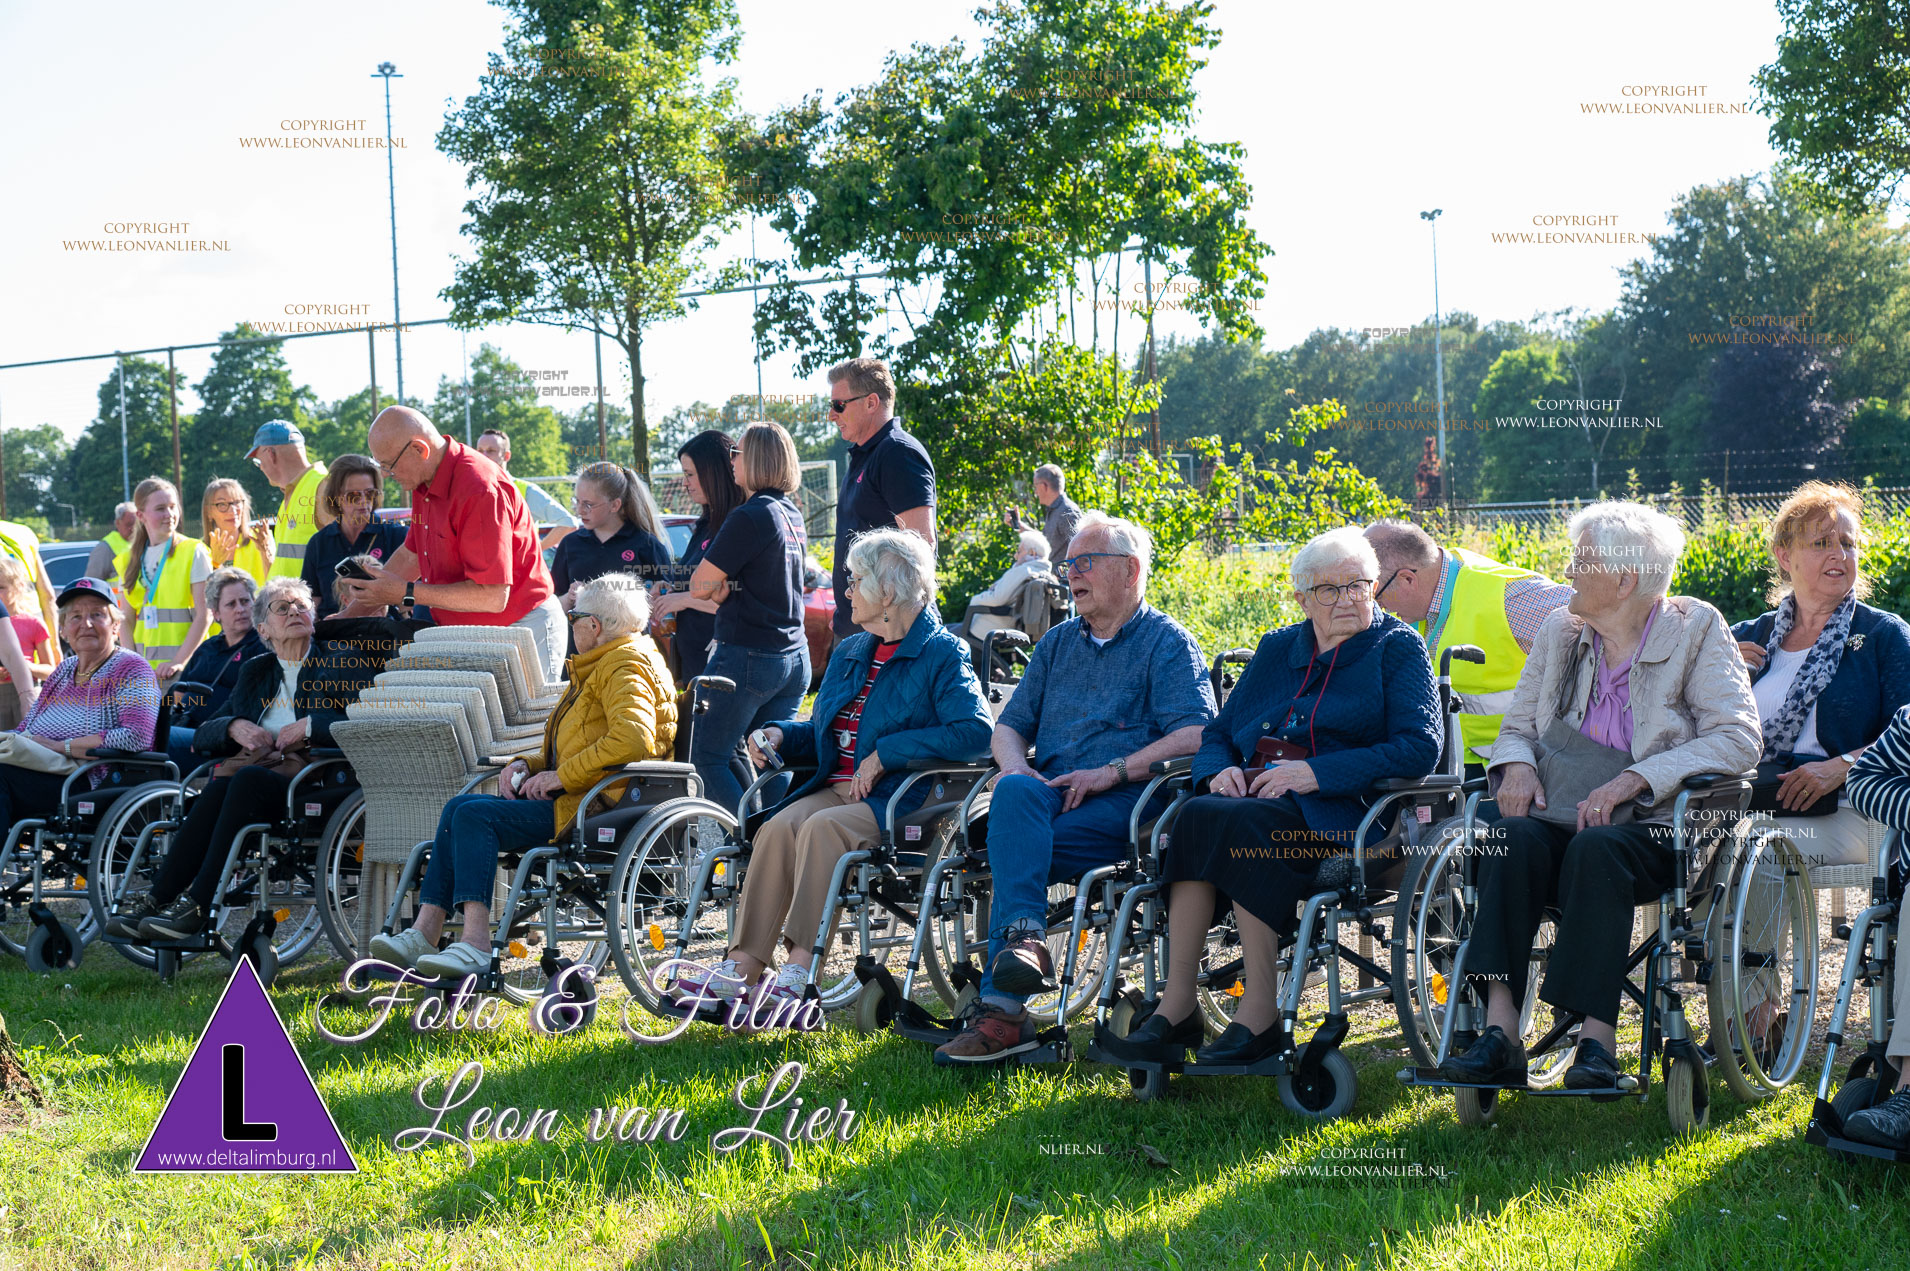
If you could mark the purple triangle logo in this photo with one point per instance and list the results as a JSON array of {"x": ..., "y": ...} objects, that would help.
[{"x": 245, "y": 1103}]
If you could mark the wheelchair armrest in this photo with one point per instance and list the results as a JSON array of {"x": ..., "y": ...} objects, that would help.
[
  {"x": 135, "y": 757},
  {"x": 1172, "y": 767},
  {"x": 1477, "y": 783},
  {"x": 1716, "y": 780},
  {"x": 1432, "y": 781},
  {"x": 327, "y": 752}
]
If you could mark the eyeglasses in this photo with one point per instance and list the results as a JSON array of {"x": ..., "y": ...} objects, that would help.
[
  {"x": 226, "y": 505},
  {"x": 577, "y": 615},
  {"x": 1084, "y": 563},
  {"x": 258, "y": 463},
  {"x": 585, "y": 505},
  {"x": 836, "y": 407},
  {"x": 391, "y": 469},
  {"x": 281, "y": 608},
  {"x": 735, "y": 450},
  {"x": 90, "y": 617},
  {"x": 1329, "y": 593}
]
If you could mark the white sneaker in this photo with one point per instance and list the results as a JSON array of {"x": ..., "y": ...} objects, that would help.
[
  {"x": 456, "y": 962},
  {"x": 791, "y": 982},
  {"x": 403, "y": 949},
  {"x": 721, "y": 982}
]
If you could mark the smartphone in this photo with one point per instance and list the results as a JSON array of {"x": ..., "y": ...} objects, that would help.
[
  {"x": 352, "y": 569},
  {"x": 760, "y": 740}
]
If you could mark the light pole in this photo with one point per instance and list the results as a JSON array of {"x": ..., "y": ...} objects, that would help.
[
  {"x": 388, "y": 72},
  {"x": 1439, "y": 360}
]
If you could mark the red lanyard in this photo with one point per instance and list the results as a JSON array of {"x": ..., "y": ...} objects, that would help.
[{"x": 1311, "y": 748}]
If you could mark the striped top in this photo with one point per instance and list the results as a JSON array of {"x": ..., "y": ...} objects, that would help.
[
  {"x": 1879, "y": 784},
  {"x": 121, "y": 702}
]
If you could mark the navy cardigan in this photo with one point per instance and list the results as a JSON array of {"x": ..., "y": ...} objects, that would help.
[
  {"x": 1378, "y": 719},
  {"x": 1872, "y": 679},
  {"x": 926, "y": 709}
]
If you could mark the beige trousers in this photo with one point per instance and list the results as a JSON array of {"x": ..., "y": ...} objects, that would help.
[{"x": 794, "y": 856}]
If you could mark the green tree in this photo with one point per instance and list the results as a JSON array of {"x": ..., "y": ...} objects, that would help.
[
  {"x": 595, "y": 146},
  {"x": 504, "y": 397},
  {"x": 1839, "y": 99},
  {"x": 248, "y": 385},
  {"x": 95, "y": 479},
  {"x": 1529, "y": 437},
  {"x": 36, "y": 461}
]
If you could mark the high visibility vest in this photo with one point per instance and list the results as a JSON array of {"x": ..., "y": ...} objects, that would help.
[
  {"x": 161, "y": 621},
  {"x": 23, "y": 545},
  {"x": 117, "y": 541},
  {"x": 251, "y": 559},
  {"x": 1475, "y": 614},
  {"x": 298, "y": 521}
]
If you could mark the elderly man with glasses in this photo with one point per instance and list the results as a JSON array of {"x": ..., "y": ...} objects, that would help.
[
  {"x": 1453, "y": 596},
  {"x": 1105, "y": 694}
]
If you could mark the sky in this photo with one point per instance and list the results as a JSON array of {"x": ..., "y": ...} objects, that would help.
[{"x": 1355, "y": 118}]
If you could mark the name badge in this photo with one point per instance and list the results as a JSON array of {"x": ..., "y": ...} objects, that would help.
[{"x": 151, "y": 617}]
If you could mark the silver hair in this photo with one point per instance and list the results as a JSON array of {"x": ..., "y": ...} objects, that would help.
[
  {"x": 1402, "y": 545},
  {"x": 1630, "y": 538},
  {"x": 1335, "y": 547},
  {"x": 276, "y": 587},
  {"x": 226, "y": 577},
  {"x": 1034, "y": 543},
  {"x": 896, "y": 567},
  {"x": 618, "y": 603},
  {"x": 124, "y": 509},
  {"x": 1051, "y": 476},
  {"x": 1123, "y": 536}
]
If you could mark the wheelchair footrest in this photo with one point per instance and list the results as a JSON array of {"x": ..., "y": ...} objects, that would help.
[
  {"x": 913, "y": 1021},
  {"x": 1099, "y": 1056},
  {"x": 1826, "y": 1130}
]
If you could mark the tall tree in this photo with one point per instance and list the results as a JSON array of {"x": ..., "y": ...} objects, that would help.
[
  {"x": 36, "y": 466},
  {"x": 94, "y": 476},
  {"x": 1839, "y": 98},
  {"x": 249, "y": 383},
  {"x": 595, "y": 146},
  {"x": 503, "y": 397}
]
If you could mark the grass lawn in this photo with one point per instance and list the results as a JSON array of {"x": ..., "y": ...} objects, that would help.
[{"x": 1037, "y": 1167}]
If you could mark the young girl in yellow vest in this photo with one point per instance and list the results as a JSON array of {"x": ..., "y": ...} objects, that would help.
[
  {"x": 162, "y": 580},
  {"x": 232, "y": 536}
]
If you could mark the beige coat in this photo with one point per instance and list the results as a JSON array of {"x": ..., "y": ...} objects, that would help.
[{"x": 1691, "y": 704}]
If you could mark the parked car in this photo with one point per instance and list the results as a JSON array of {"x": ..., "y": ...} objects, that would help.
[{"x": 65, "y": 561}]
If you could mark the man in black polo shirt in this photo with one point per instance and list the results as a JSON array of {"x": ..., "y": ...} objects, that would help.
[{"x": 890, "y": 481}]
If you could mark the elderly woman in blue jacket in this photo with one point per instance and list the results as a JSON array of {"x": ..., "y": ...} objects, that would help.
[
  {"x": 1827, "y": 670},
  {"x": 899, "y": 694},
  {"x": 1327, "y": 707}
]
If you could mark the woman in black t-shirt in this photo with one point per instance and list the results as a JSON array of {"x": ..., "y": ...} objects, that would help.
[
  {"x": 751, "y": 578},
  {"x": 708, "y": 482},
  {"x": 621, "y": 534},
  {"x": 353, "y": 490}
]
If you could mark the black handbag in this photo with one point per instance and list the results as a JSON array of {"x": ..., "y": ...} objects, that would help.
[{"x": 1764, "y": 789}]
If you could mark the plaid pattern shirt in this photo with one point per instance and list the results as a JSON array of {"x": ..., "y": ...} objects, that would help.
[{"x": 1528, "y": 602}]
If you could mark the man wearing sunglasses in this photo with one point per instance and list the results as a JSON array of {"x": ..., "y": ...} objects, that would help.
[
  {"x": 1458, "y": 597},
  {"x": 472, "y": 552},
  {"x": 1104, "y": 695},
  {"x": 278, "y": 448},
  {"x": 889, "y": 482}
]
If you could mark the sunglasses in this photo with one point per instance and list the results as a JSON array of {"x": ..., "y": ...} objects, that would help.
[
  {"x": 836, "y": 407},
  {"x": 578, "y": 615}
]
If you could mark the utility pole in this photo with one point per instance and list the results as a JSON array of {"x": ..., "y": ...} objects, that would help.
[
  {"x": 603, "y": 436},
  {"x": 172, "y": 407},
  {"x": 465, "y": 353},
  {"x": 125, "y": 452},
  {"x": 1439, "y": 360},
  {"x": 1154, "y": 414},
  {"x": 390, "y": 72}
]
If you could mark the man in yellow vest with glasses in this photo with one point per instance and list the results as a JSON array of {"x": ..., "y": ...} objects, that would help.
[
  {"x": 1458, "y": 597},
  {"x": 278, "y": 448}
]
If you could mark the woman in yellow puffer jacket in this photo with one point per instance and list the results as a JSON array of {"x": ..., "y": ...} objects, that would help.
[{"x": 620, "y": 708}]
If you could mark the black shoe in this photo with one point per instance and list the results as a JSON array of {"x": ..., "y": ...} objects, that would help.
[
  {"x": 1493, "y": 1060},
  {"x": 1593, "y": 1068},
  {"x": 1239, "y": 1046},
  {"x": 1155, "y": 1040},
  {"x": 1886, "y": 1125},
  {"x": 124, "y": 925},
  {"x": 1024, "y": 968},
  {"x": 181, "y": 920}
]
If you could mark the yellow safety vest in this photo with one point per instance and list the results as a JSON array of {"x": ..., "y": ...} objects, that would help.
[
  {"x": 1475, "y": 614},
  {"x": 251, "y": 559},
  {"x": 117, "y": 541},
  {"x": 162, "y": 620},
  {"x": 23, "y": 545},
  {"x": 298, "y": 521}
]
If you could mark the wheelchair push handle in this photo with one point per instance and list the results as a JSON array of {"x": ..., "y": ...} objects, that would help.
[{"x": 1464, "y": 652}]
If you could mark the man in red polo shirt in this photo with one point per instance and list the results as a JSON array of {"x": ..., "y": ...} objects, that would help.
[{"x": 472, "y": 553}]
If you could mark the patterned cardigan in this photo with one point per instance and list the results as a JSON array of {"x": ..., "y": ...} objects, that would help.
[{"x": 121, "y": 702}]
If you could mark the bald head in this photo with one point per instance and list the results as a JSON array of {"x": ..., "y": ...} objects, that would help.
[{"x": 406, "y": 445}]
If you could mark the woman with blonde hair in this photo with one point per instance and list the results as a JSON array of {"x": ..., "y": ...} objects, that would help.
[
  {"x": 232, "y": 536},
  {"x": 162, "y": 579},
  {"x": 622, "y": 533}
]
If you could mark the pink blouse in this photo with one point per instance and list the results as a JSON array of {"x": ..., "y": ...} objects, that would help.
[{"x": 1608, "y": 718}]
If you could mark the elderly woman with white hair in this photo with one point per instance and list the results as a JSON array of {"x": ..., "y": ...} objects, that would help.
[
  {"x": 1328, "y": 706},
  {"x": 1627, "y": 693},
  {"x": 1031, "y": 561},
  {"x": 619, "y": 708},
  {"x": 898, "y": 694}
]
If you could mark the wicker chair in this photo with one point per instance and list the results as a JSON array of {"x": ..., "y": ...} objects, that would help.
[
  {"x": 521, "y": 704},
  {"x": 484, "y": 682},
  {"x": 517, "y": 638}
]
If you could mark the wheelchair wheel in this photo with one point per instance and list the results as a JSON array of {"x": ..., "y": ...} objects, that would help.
[
  {"x": 264, "y": 955},
  {"x": 1221, "y": 979},
  {"x": 958, "y": 938},
  {"x": 576, "y": 912},
  {"x": 1325, "y": 1093},
  {"x": 1762, "y": 940},
  {"x": 873, "y": 1011},
  {"x": 108, "y": 879},
  {"x": 1475, "y": 1107},
  {"x": 54, "y": 948},
  {"x": 1090, "y": 962},
  {"x": 650, "y": 887},
  {"x": 281, "y": 878},
  {"x": 1683, "y": 1079},
  {"x": 341, "y": 859},
  {"x": 63, "y": 890}
]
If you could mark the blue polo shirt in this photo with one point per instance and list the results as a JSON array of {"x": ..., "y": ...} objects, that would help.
[
  {"x": 888, "y": 473},
  {"x": 1084, "y": 705},
  {"x": 582, "y": 556}
]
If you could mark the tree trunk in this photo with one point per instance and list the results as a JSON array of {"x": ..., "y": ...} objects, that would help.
[
  {"x": 16, "y": 1085},
  {"x": 639, "y": 430}
]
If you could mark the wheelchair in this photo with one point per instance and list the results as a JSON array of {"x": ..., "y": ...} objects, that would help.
[
  {"x": 1872, "y": 949},
  {"x": 1313, "y": 1079},
  {"x": 273, "y": 901},
  {"x": 1694, "y": 939},
  {"x": 49, "y": 865},
  {"x": 572, "y": 906}
]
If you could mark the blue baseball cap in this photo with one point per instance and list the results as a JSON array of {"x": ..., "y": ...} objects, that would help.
[
  {"x": 84, "y": 586},
  {"x": 276, "y": 432}
]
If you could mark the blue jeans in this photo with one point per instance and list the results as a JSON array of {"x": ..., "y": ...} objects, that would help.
[
  {"x": 769, "y": 687},
  {"x": 473, "y": 830},
  {"x": 1033, "y": 843},
  {"x": 179, "y": 748}
]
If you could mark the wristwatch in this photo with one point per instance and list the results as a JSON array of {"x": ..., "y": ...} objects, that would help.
[
  {"x": 1120, "y": 768},
  {"x": 409, "y": 598},
  {"x": 1850, "y": 757}
]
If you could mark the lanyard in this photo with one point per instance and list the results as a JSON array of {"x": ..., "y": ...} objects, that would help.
[
  {"x": 1449, "y": 583},
  {"x": 151, "y": 580}
]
